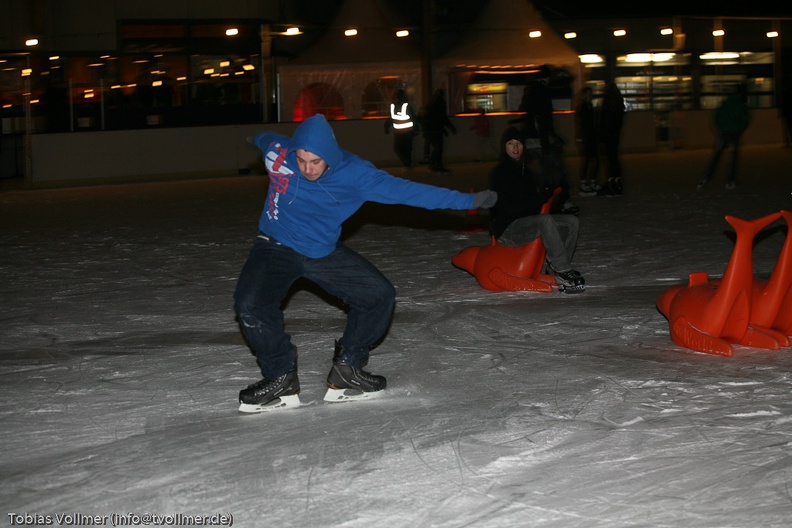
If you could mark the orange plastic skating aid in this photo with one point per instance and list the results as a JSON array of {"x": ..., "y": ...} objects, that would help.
[
  {"x": 772, "y": 299},
  {"x": 710, "y": 316},
  {"x": 507, "y": 268}
]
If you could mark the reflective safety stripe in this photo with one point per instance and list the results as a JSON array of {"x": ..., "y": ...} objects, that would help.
[{"x": 401, "y": 119}]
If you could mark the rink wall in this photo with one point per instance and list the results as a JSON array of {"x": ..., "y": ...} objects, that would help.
[{"x": 166, "y": 153}]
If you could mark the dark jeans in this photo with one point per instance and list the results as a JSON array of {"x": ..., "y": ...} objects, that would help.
[
  {"x": 725, "y": 139},
  {"x": 403, "y": 146},
  {"x": 265, "y": 280},
  {"x": 436, "y": 141},
  {"x": 589, "y": 166},
  {"x": 552, "y": 169},
  {"x": 559, "y": 234},
  {"x": 611, "y": 148},
  {"x": 552, "y": 174}
]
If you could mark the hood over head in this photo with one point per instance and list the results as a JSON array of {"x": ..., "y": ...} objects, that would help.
[
  {"x": 509, "y": 134},
  {"x": 316, "y": 136}
]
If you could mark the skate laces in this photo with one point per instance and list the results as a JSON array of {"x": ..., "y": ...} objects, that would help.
[
  {"x": 345, "y": 370},
  {"x": 346, "y": 376},
  {"x": 572, "y": 277},
  {"x": 266, "y": 384},
  {"x": 362, "y": 374}
]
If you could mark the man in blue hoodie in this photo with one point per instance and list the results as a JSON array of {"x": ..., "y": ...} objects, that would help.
[{"x": 314, "y": 186}]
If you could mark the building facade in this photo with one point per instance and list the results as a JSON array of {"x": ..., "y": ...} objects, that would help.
[{"x": 85, "y": 65}]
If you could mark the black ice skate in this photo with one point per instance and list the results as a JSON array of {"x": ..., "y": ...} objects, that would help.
[
  {"x": 613, "y": 187},
  {"x": 346, "y": 383},
  {"x": 570, "y": 281},
  {"x": 267, "y": 394},
  {"x": 589, "y": 188}
]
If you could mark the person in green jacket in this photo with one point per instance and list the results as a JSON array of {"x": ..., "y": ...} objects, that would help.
[{"x": 730, "y": 120}]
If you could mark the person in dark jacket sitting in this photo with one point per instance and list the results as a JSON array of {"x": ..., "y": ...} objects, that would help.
[{"x": 516, "y": 215}]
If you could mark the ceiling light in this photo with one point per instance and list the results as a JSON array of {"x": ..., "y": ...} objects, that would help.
[
  {"x": 649, "y": 57},
  {"x": 590, "y": 58},
  {"x": 719, "y": 55}
]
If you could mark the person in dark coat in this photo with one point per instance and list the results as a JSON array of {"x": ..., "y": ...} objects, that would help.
[
  {"x": 516, "y": 215},
  {"x": 586, "y": 137},
  {"x": 730, "y": 120},
  {"x": 436, "y": 126},
  {"x": 543, "y": 144},
  {"x": 404, "y": 123},
  {"x": 611, "y": 119}
]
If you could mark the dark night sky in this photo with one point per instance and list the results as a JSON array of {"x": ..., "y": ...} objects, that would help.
[
  {"x": 601, "y": 9},
  {"x": 453, "y": 16},
  {"x": 464, "y": 11}
]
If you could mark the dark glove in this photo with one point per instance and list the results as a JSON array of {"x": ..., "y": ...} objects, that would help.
[{"x": 484, "y": 199}]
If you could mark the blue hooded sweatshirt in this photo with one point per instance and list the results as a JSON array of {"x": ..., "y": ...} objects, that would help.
[{"x": 307, "y": 215}]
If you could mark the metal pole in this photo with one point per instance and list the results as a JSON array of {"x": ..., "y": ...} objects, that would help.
[
  {"x": 71, "y": 105},
  {"x": 28, "y": 127},
  {"x": 428, "y": 50},
  {"x": 264, "y": 70},
  {"x": 102, "y": 103},
  {"x": 778, "y": 72}
]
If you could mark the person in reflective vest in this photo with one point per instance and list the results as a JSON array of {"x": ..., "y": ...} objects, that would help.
[{"x": 404, "y": 122}]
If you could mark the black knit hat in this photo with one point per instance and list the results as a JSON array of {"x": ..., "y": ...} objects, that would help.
[{"x": 511, "y": 133}]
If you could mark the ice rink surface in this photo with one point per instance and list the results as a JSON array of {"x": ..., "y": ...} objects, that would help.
[{"x": 120, "y": 364}]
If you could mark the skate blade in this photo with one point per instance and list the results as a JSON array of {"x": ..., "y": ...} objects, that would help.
[
  {"x": 342, "y": 395},
  {"x": 284, "y": 402},
  {"x": 571, "y": 289}
]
